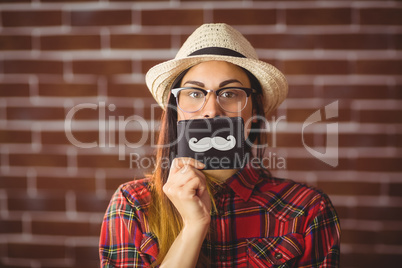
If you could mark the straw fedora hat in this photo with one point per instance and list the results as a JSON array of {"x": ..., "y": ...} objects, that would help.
[{"x": 219, "y": 42}]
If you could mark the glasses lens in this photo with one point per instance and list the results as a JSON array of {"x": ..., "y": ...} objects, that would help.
[
  {"x": 232, "y": 99},
  {"x": 191, "y": 100}
]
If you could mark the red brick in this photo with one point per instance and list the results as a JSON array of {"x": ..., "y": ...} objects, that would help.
[
  {"x": 378, "y": 164},
  {"x": 116, "y": 89},
  {"x": 33, "y": 67},
  {"x": 388, "y": 67},
  {"x": 354, "y": 41},
  {"x": 102, "y": 67},
  {"x": 68, "y": 90},
  {"x": 14, "y": 90},
  {"x": 92, "y": 203},
  {"x": 44, "y": 160},
  {"x": 11, "y": 265},
  {"x": 85, "y": 262},
  {"x": 65, "y": 228},
  {"x": 103, "y": 161},
  {"x": 16, "y": 1},
  {"x": 245, "y": 16},
  {"x": 59, "y": 137},
  {"x": 371, "y": 259},
  {"x": 371, "y": 237},
  {"x": 172, "y": 17},
  {"x": 349, "y": 188},
  {"x": 13, "y": 183},
  {"x": 343, "y": 212},
  {"x": 132, "y": 0},
  {"x": 366, "y": 140},
  {"x": 70, "y": 42},
  {"x": 35, "y": 251},
  {"x": 142, "y": 164},
  {"x": 75, "y": 1},
  {"x": 397, "y": 140},
  {"x": 397, "y": 92},
  {"x": 390, "y": 237},
  {"x": 15, "y": 42},
  {"x": 10, "y": 227},
  {"x": 204, "y": 0},
  {"x": 291, "y": 139},
  {"x": 380, "y": 116},
  {"x": 357, "y": 91},
  {"x": 312, "y": 163},
  {"x": 300, "y": 67},
  {"x": 132, "y": 138},
  {"x": 31, "y": 18},
  {"x": 282, "y": 41},
  {"x": 15, "y": 136},
  {"x": 319, "y": 16},
  {"x": 85, "y": 113},
  {"x": 376, "y": 213},
  {"x": 140, "y": 41},
  {"x": 101, "y": 18},
  {"x": 86, "y": 256},
  {"x": 398, "y": 41},
  {"x": 300, "y": 115},
  {"x": 36, "y": 204},
  {"x": 113, "y": 184},
  {"x": 153, "y": 113},
  {"x": 381, "y": 16},
  {"x": 95, "y": 114},
  {"x": 148, "y": 64},
  {"x": 135, "y": 137},
  {"x": 35, "y": 113},
  {"x": 64, "y": 184},
  {"x": 275, "y": 62},
  {"x": 352, "y": 236},
  {"x": 301, "y": 91},
  {"x": 395, "y": 189},
  {"x": 310, "y": 139}
]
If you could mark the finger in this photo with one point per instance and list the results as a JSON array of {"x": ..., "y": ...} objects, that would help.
[
  {"x": 196, "y": 181},
  {"x": 183, "y": 176},
  {"x": 180, "y": 162},
  {"x": 191, "y": 189},
  {"x": 178, "y": 180}
]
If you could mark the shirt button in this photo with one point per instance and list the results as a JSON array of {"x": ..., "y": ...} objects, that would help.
[{"x": 278, "y": 256}]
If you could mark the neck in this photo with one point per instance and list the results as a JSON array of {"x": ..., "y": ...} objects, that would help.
[{"x": 220, "y": 174}]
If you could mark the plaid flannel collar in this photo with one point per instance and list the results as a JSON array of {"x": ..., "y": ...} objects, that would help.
[{"x": 243, "y": 182}]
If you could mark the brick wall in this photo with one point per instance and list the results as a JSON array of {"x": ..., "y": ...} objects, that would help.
[{"x": 72, "y": 90}]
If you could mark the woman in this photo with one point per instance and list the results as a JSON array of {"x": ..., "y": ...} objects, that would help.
[{"x": 184, "y": 216}]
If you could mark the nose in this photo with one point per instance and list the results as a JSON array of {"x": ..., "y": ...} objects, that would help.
[{"x": 211, "y": 108}]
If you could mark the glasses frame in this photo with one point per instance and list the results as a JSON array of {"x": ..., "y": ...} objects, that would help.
[{"x": 175, "y": 92}]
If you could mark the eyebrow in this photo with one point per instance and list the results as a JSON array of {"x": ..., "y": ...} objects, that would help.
[
  {"x": 230, "y": 81},
  {"x": 196, "y": 83},
  {"x": 222, "y": 84}
]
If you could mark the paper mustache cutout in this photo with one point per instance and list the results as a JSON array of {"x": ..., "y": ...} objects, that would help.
[
  {"x": 216, "y": 142},
  {"x": 207, "y": 143}
]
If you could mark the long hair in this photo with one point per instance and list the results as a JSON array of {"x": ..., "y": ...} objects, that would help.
[{"x": 164, "y": 219}]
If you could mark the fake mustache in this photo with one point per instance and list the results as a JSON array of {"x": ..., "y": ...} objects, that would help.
[{"x": 207, "y": 143}]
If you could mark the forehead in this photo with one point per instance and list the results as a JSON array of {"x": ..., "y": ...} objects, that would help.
[{"x": 216, "y": 71}]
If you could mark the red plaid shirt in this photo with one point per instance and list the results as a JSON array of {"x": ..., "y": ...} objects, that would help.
[{"x": 260, "y": 222}]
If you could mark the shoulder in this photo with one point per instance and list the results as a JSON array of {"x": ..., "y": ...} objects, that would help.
[
  {"x": 293, "y": 196},
  {"x": 137, "y": 193},
  {"x": 289, "y": 187}
]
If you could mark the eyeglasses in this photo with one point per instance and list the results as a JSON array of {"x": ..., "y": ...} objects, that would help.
[{"x": 230, "y": 99}]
